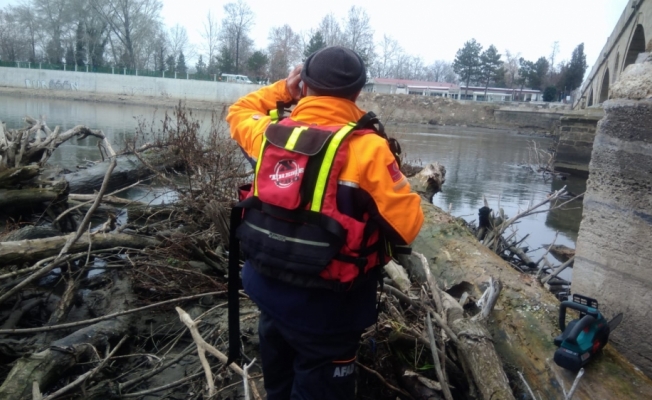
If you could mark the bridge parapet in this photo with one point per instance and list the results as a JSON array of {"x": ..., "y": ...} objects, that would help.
[{"x": 631, "y": 37}]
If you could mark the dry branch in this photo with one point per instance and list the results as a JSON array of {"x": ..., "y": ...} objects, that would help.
[{"x": 203, "y": 347}]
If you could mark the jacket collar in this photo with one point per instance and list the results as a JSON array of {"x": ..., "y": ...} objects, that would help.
[{"x": 326, "y": 110}]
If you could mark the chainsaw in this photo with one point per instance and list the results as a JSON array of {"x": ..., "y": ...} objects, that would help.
[{"x": 583, "y": 337}]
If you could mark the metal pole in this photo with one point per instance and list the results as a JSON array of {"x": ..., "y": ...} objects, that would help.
[{"x": 125, "y": 71}]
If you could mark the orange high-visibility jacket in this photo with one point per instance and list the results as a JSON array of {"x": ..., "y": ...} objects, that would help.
[{"x": 370, "y": 164}]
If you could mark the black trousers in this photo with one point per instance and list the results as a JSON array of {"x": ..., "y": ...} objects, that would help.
[{"x": 300, "y": 366}]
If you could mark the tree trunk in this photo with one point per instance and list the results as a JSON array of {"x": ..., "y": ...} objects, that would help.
[
  {"x": 27, "y": 198},
  {"x": 23, "y": 251},
  {"x": 477, "y": 347},
  {"x": 49, "y": 365},
  {"x": 13, "y": 176},
  {"x": 129, "y": 170}
]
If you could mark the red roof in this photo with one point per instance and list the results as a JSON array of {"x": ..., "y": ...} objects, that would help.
[{"x": 407, "y": 82}]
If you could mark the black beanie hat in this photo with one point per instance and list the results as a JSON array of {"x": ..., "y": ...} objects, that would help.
[{"x": 334, "y": 71}]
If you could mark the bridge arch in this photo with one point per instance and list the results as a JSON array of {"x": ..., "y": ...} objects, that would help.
[
  {"x": 636, "y": 45},
  {"x": 604, "y": 89},
  {"x": 590, "y": 102},
  {"x": 616, "y": 67}
]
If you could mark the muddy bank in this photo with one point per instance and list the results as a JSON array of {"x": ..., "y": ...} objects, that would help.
[
  {"x": 524, "y": 321},
  {"x": 434, "y": 111}
]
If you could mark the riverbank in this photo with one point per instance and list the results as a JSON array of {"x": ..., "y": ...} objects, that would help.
[{"x": 392, "y": 109}]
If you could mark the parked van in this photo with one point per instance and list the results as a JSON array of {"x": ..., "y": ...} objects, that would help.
[{"x": 232, "y": 78}]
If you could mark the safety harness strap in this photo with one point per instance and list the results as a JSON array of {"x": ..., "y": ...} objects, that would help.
[
  {"x": 370, "y": 121},
  {"x": 234, "y": 286}
]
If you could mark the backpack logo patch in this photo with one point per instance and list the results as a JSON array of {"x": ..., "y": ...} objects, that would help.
[
  {"x": 394, "y": 171},
  {"x": 286, "y": 172}
]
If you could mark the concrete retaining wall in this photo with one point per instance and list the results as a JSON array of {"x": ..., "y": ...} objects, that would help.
[
  {"x": 124, "y": 85},
  {"x": 527, "y": 119},
  {"x": 614, "y": 258},
  {"x": 576, "y": 135}
]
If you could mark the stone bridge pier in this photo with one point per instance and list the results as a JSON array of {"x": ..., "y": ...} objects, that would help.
[{"x": 613, "y": 261}]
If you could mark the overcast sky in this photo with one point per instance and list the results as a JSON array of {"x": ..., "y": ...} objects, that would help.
[{"x": 433, "y": 29}]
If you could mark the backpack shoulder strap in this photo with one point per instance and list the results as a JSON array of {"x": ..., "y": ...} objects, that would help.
[
  {"x": 371, "y": 121},
  {"x": 277, "y": 114}
]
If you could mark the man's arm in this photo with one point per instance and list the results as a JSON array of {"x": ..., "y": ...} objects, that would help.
[
  {"x": 248, "y": 117},
  {"x": 395, "y": 206}
]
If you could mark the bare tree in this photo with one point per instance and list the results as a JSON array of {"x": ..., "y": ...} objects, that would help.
[
  {"x": 11, "y": 35},
  {"x": 210, "y": 32},
  {"x": 26, "y": 16},
  {"x": 441, "y": 71},
  {"x": 132, "y": 23},
  {"x": 358, "y": 34},
  {"x": 236, "y": 24},
  {"x": 511, "y": 68},
  {"x": 553, "y": 55},
  {"x": 179, "y": 42},
  {"x": 386, "y": 57},
  {"x": 54, "y": 17},
  {"x": 330, "y": 30},
  {"x": 284, "y": 51}
]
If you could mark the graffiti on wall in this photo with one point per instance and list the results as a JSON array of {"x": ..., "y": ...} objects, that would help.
[
  {"x": 136, "y": 91},
  {"x": 52, "y": 85}
]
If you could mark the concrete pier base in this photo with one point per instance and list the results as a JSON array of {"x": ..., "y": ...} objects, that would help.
[
  {"x": 614, "y": 257},
  {"x": 576, "y": 135}
]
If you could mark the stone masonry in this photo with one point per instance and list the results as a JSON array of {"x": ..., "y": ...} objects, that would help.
[
  {"x": 614, "y": 256},
  {"x": 576, "y": 135}
]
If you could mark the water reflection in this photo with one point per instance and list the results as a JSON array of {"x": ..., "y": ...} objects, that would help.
[
  {"x": 489, "y": 163},
  {"x": 117, "y": 121}
]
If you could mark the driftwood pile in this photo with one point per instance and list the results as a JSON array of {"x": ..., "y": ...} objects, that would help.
[
  {"x": 89, "y": 282},
  {"x": 496, "y": 231}
]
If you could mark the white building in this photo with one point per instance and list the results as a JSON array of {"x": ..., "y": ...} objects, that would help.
[{"x": 458, "y": 92}]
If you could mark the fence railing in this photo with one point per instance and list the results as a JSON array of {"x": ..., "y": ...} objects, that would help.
[{"x": 110, "y": 70}]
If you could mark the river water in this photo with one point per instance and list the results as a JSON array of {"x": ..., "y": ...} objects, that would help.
[{"x": 479, "y": 162}]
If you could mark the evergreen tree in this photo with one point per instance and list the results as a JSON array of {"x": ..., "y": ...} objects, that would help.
[
  {"x": 550, "y": 93},
  {"x": 489, "y": 66},
  {"x": 574, "y": 73},
  {"x": 316, "y": 43},
  {"x": 70, "y": 55},
  {"x": 541, "y": 68},
  {"x": 171, "y": 63},
  {"x": 225, "y": 62},
  {"x": 181, "y": 64},
  {"x": 467, "y": 62},
  {"x": 533, "y": 73},
  {"x": 213, "y": 66},
  {"x": 160, "y": 58},
  {"x": 256, "y": 64},
  {"x": 201, "y": 66},
  {"x": 80, "y": 51},
  {"x": 54, "y": 51}
]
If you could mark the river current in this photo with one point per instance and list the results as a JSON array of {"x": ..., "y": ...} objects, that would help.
[{"x": 480, "y": 163}]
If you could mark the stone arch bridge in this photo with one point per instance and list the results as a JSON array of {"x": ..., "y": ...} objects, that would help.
[{"x": 631, "y": 37}]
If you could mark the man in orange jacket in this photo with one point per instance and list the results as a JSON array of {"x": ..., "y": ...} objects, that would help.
[{"x": 309, "y": 336}]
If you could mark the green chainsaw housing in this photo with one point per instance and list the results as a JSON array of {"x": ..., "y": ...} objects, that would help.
[{"x": 583, "y": 337}]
